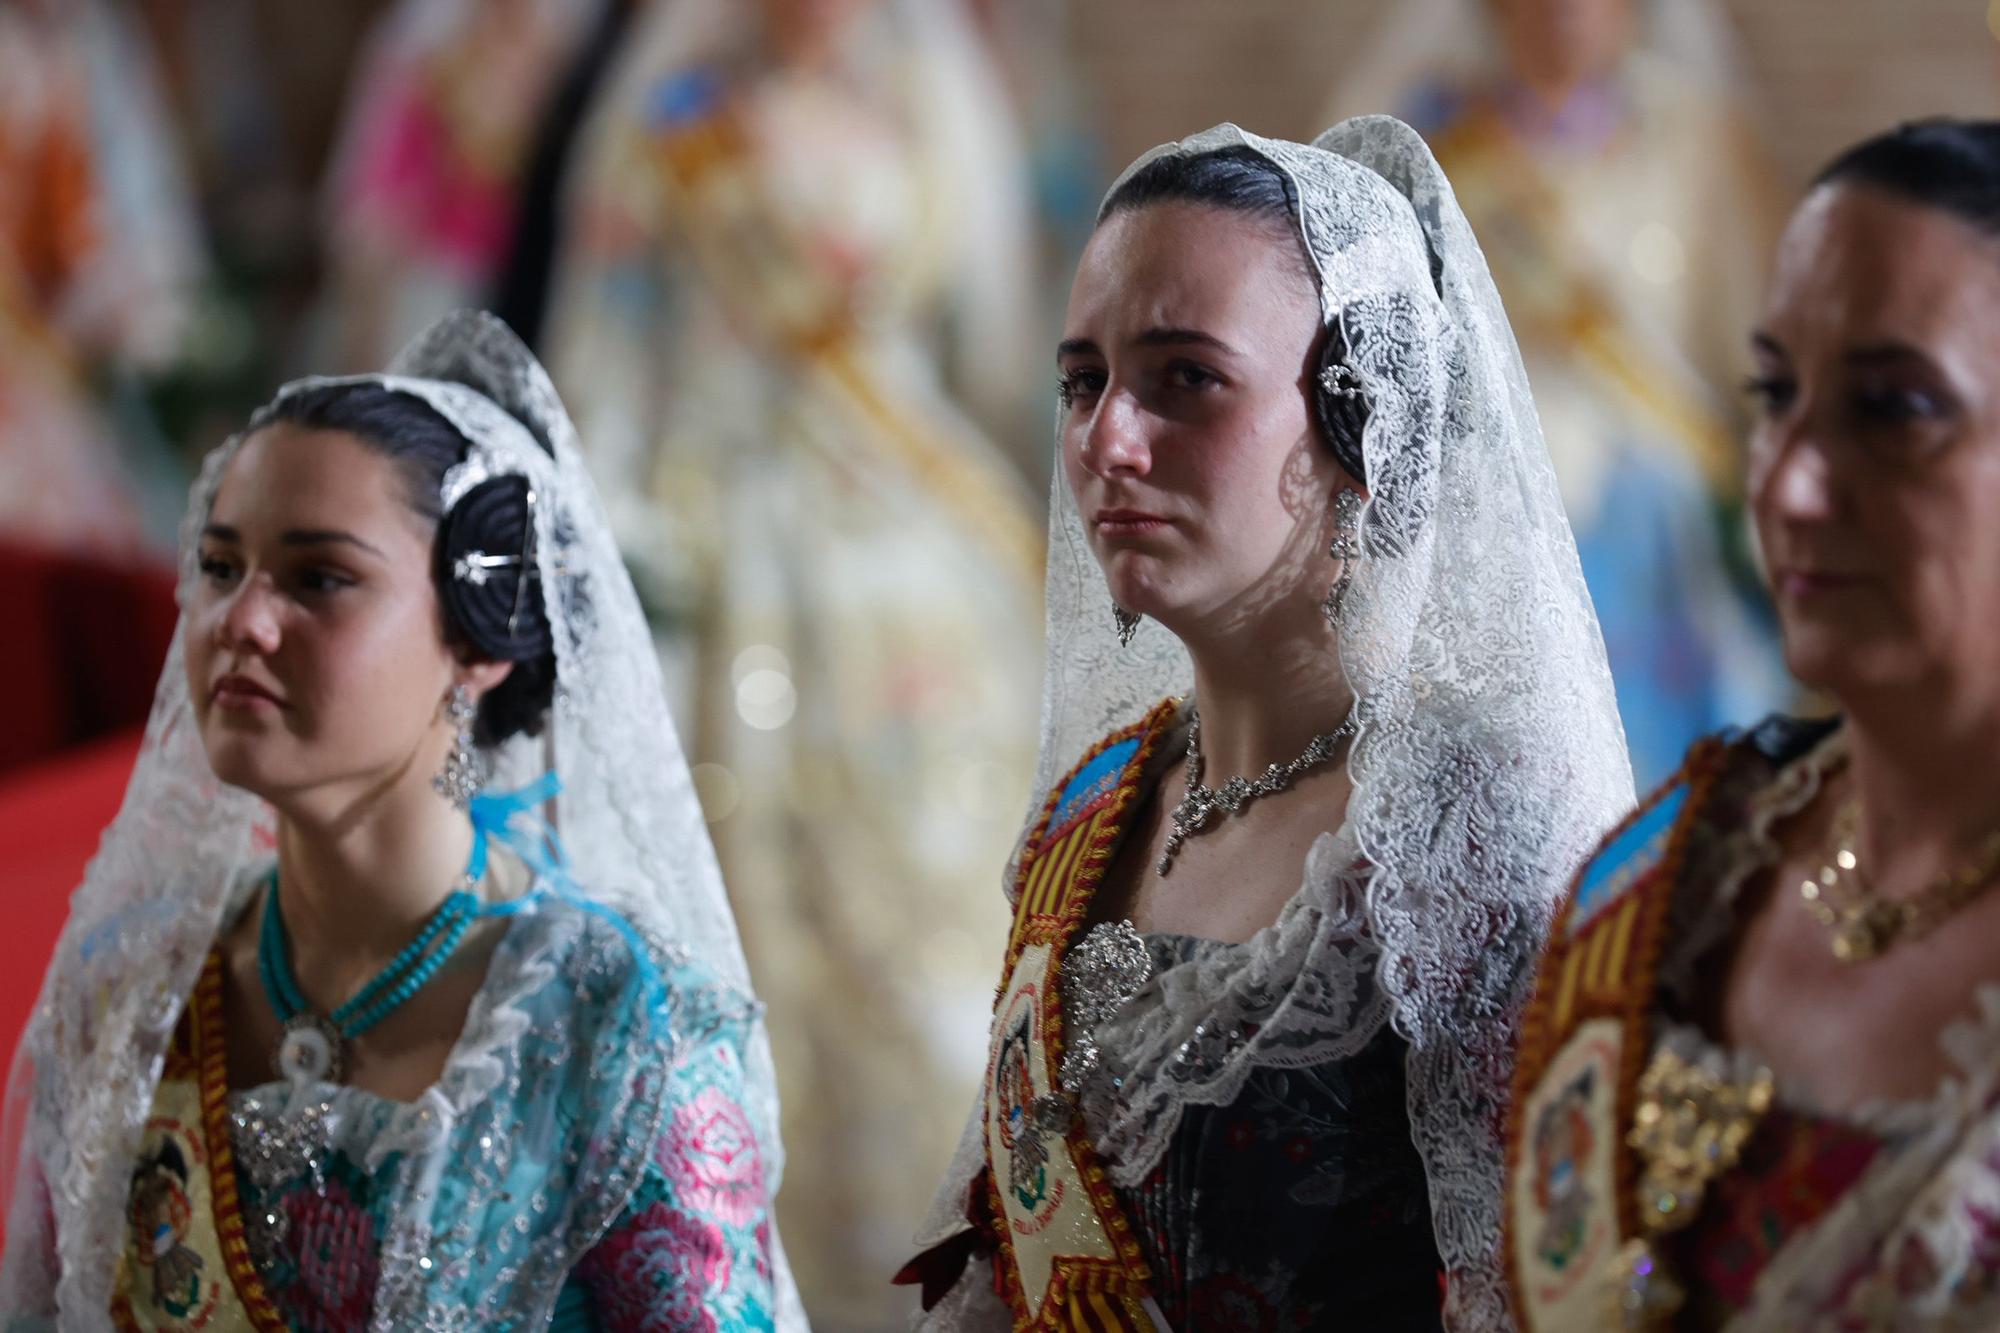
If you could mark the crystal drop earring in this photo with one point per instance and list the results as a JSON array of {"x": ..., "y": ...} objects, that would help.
[
  {"x": 1127, "y": 623},
  {"x": 1346, "y": 549},
  {"x": 460, "y": 779}
]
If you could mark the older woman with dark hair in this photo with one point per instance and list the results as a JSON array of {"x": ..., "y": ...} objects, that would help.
[{"x": 1759, "y": 1078}]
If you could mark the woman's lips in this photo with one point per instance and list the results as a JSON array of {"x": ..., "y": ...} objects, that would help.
[
  {"x": 1127, "y": 522},
  {"x": 243, "y": 693},
  {"x": 1812, "y": 582}
]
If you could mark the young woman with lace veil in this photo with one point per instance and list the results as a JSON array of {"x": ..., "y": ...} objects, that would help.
[
  {"x": 1782, "y": 1111},
  {"x": 1327, "y": 721},
  {"x": 402, "y": 993}
]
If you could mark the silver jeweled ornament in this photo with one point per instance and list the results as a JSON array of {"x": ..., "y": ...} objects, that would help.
[
  {"x": 309, "y": 1050},
  {"x": 1103, "y": 971},
  {"x": 1200, "y": 806}
]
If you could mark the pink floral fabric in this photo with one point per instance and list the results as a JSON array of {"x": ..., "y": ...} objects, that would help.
[{"x": 692, "y": 1253}]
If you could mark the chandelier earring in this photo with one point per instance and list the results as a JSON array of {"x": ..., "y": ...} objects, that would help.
[
  {"x": 462, "y": 776},
  {"x": 1346, "y": 549},
  {"x": 1127, "y": 623}
]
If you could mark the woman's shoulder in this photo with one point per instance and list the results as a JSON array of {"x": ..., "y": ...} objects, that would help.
[
  {"x": 1708, "y": 797},
  {"x": 586, "y": 966},
  {"x": 1110, "y": 763}
]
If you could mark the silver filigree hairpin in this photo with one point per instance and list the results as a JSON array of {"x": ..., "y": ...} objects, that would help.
[
  {"x": 1341, "y": 381},
  {"x": 472, "y": 567}
]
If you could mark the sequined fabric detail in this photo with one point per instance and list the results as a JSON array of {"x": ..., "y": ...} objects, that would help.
[
  {"x": 1100, "y": 974},
  {"x": 1301, "y": 1204}
]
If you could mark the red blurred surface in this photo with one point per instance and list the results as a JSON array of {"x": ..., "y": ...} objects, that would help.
[
  {"x": 81, "y": 650},
  {"x": 51, "y": 814},
  {"x": 80, "y": 656}
]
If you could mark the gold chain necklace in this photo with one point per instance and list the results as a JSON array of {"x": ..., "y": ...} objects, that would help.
[{"x": 1864, "y": 924}]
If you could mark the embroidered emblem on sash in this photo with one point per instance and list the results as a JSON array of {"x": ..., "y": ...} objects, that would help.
[
  {"x": 1561, "y": 1213},
  {"x": 1570, "y": 1203},
  {"x": 186, "y": 1265},
  {"x": 174, "y": 1284},
  {"x": 1066, "y": 1254},
  {"x": 1631, "y": 852}
]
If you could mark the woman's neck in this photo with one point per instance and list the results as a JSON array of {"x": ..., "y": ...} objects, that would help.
[
  {"x": 360, "y": 883},
  {"x": 1928, "y": 780},
  {"x": 1262, "y": 705}
]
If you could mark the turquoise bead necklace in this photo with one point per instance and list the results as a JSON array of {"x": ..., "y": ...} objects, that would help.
[{"x": 312, "y": 1046}]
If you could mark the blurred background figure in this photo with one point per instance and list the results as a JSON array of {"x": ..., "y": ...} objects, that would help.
[
  {"x": 1600, "y": 150},
  {"x": 795, "y": 284},
  {"x": 1036, "y": 50},
  {"x": 99, "y": 259},
  {"x": 435, "y": 149}
]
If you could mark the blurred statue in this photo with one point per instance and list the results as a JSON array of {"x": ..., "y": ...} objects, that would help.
[
  {"x": 99, "y": 259},
  {"x": 425, "y": 183},
  {"x": 795, "y": 276},
  {"x": 1626, "y": 209}
]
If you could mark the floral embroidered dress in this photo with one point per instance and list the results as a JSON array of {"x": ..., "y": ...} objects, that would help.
[
  {"x": 1658, "y": 1179},
  {"x": 243, "y": 1206}
]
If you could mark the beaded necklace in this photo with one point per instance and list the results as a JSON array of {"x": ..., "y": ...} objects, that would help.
[{"x": 313, "y": 1045}]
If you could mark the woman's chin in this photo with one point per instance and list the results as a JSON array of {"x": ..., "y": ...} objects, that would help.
[
  {"x": 1844, "y": 664},
  {"x": 242, "y": 762}
]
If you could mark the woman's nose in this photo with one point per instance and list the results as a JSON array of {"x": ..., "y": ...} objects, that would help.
[
  {"x": 1116, "y": 441},
  {"x": 250, "y": 620},
  {"x": 1797, "y": 481}
]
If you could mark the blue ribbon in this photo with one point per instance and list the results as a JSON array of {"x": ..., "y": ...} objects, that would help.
[{"x": 510, "y": 818}]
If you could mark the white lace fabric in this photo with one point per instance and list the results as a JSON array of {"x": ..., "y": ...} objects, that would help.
[
  {"x": 1489, "y": 756},
  {"x": 162, "y": 882}
]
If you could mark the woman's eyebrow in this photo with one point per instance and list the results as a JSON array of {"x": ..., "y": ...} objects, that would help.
[
  {"x": 1153, "y": 337},
  {"x": 320, "y": 536},
  {"x": 1170, "y": 337},
  {"x": 222, "y": 532}
]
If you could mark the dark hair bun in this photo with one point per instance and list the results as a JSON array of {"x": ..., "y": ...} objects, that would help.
[{"x": 487, "y": 578}]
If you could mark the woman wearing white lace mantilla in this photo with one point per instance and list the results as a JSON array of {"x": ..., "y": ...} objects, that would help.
[
  {"x": 1251, "y": 1045},
  {"x": 403, "y": 992}
]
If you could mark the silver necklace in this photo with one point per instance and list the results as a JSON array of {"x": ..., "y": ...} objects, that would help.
[{"x": 1200, "y": 806}]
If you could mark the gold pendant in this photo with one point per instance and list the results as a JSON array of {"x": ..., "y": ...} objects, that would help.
[
  {"x": 1855, "y": 941},
  {"x": 1865, "y": 932}
]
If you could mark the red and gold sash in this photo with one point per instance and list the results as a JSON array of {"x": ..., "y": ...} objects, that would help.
[
  {"x": 1065, "y": 1257},
  {"x": 1573, "y": 1199},
  {"x": 186, "y": 1263}
]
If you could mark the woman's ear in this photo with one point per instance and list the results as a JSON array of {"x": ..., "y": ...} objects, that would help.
[{"x": 479, "y": 677}]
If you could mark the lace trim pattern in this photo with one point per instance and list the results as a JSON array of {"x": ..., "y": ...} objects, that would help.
[
  {"x": 1300, "y": 993},
  {"x": 1703, "y": 922},
  {"x": 1913, "y": 1244}
]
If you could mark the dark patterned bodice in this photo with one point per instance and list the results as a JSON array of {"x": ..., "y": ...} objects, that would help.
[{"x": 1300, "y": 1205}]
